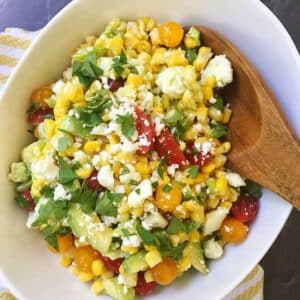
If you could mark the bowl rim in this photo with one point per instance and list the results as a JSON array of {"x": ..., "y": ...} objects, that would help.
[{"x": 44, "y": 31}]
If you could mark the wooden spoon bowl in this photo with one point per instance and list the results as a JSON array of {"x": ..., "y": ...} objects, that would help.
[{"x": 264, "y": 147}]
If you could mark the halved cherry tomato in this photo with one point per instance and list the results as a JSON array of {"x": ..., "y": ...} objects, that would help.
[
  {"x": 115, "y": 84},
  {"x": 93, "y": 183},
  {"x": 144, "y": 288},
  {"x": 166, "y": 146},
  {"x": 233, "y": 231},
  {"x": 27, "y": 196},
  {"x": 196, "y": 158},
  {"x": 165, "y": 272},
  {"x": 112, "y": 265},
  {"x": 146, "y": 132},
  {"x": 39, "y": 96},
  {"x": 38, "y": 116},
  {"x": 246, "y": 208},
  {"x": 84, "y": 258}
]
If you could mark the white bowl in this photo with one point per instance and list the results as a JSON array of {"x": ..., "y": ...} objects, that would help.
[{"x": 27, "y": 267}]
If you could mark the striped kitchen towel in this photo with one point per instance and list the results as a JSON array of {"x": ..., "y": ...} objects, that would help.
[{"x": 13, "y": 44}]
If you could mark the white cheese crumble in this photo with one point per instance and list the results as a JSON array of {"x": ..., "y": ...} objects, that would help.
[
  {"x": 45, "y": 168},
  {"x": 131, "y": 175},
  {"x": 212, "y": 249},
  {"x": 137, "y": 197},
  {"x": 105, "y": 64},
  {"x": 58, "y": 86},
  {"x": 206, "y": 147},
  {"x": 159, "y": 126},
  {"x": 155, "y": 220},
  {"x": 219, "y": 67},
  {"x": 61, "y": 194},
  {"x": 108, "y": 221},
  {"x": 172, "y": 169},
  {"x": 235, "y": 180},
  {"x": 106, "y": 177},
  {"x": 131, "y": 241}
]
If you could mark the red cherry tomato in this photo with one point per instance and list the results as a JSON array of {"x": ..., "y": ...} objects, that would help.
[
  {"x": 166, "y": 146},
  {"x": 144, "y": 288},
  {"x": 115, "y": 84},
  {"x": 246, "y": 208},
  {"x": 112, "y": 265},
  {"x": 27, "y": 196},
  {"x": 93, "y": 183},
  {"x": 146, "y": 132},
  {"x": 38, "y": 116},
  {"x": 196, "y": 158}
]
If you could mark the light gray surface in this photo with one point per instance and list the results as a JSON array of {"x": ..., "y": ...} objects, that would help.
[{"x": 282, "y": 263}]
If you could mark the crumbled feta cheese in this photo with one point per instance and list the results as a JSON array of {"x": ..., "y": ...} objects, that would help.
[
  {"x": 172, "y": 169},
  {"x": 61, "y": 194},
  {"x": 101, "y": 129},
  {"x": 81, "y": 157},
  {"x": 45, "y": 168},
  {"x": 159, "y": 126},
  {"x": 219, "y": 67},
  {"x": 67, "y": 74},
  {"x": 132, "y": 175},
  {"x": 105, "y": 64},
  {"x": 131, "y": 241},
  {"x": 214, "y": 220},
  {"x": 120, "y": 189},
  {"x": 155, "y": 220},
  {"x": 58, "y": 86},
  {"x": 171, "y": 81},
  {"x": 197, "y": 127},
  {"x": 121, "y": 279},
  {"x": 106, "y": 177},
  {"x": 212, "y": 249},
  {"x": 108, "y": 221},
  {"x": 127, "y": 146},
  {"x": 149, "y": 207},
  {"x": 235, "y": 180},
  {"x": 136, "y": 199},
  {"x": 206, "y": 147},
  {"x": 212, "y": 100}
]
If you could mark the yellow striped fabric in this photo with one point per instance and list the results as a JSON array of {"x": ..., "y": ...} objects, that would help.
[{"x": 13, "y": 44}]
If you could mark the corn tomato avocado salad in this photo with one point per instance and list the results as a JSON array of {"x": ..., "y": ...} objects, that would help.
[{"x": 127, "y": 179}]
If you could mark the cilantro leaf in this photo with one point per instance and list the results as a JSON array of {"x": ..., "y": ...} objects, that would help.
[
  {"x": 167, "y": 188},
  {"x": 87, "y": 117},
  {"x": 86, "y": 198},
  {"x": 63, "y": 230},
  {"x": 138, "y": 191},
  {"x": 133, "y": 69},
  {"x": 175, "y": 226},
  {"x": 218, "y": 130},
  {"x": 50, "y": 236},
  {"x": 191, "y": 226},
  {"x": 146, "y": 236},
  {"x": 125, "y": 232},
  {"x": 87, "y": 70},
  {"x": 160, "y": 168},
  {"x": 155, "y": 185},
  {"x": 99, "y": 102},
  {"x": 118, "y": 63},
  {"x": 63, "y": 143},
  {"x": 114, "y": 32},
  {"x": 181, "y": 127},
  {"x": 66, "y": 173},
  {"x": 191, "y": 55},
  {"x": 219, "y": 104},
  {"x": 253, "y": 188},
  {"x": 127, "y": 124},
  {"x": 173, "y": 116},
  {"x": 22, "y": 202},
  {"x": 193, "y": 172},
  {"x": 107, "y": 204},
  {"x": 125, "y": 171}
]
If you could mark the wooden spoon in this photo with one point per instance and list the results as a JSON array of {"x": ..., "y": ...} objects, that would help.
[{"x": 264, "y": 147}]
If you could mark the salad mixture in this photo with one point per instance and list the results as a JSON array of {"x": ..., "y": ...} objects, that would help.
[{"x": 126, "y": 179}]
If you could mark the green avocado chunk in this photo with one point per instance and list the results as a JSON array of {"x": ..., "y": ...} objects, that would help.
[
  {"x": 197, "y": 258},
  {"x": 135, "y": 263},
  {"x": 118, "y": 291},
  {"x": 19, "y": 172}
]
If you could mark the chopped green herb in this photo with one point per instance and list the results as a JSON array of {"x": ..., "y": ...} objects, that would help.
[
  {"x": 34, "y": 107},
  {"x": 66, "y": 173},
  {"x": 133, "y": 182},
  {"x": 218, "y": 130},
  {"x": 63, "y": 230},
  {"x": 175, "y": 226},
  {"x": 86, "y": 198},
  {"x": 133, "y": 70},
  {"x": 88, "y": 118},
  {"x": 193, "y": 172},
  {"x": 253, "y": 188},
  {"x": 219, "y": 104},
  {"x": 50, "y": 236},
  {"x": 99, "y": 102},
  {"x": 211, "y": 184},
  {"x": 127, "y": 124},
  {"x": 155, "y": 185},
  {"x": 167, "y": 188},
  {"x": 191, "y": 55},
  {"x": 125, "y": 232},
  {"x": 107, "y": 204},
  {"x": 125, "y": 171},
  {"x": 146, "y": 236},
  {"x": 161, "y": 166},
  {"x": 63, "y": 143},
  {"x": 191, "y": 226},
  {"x": 22, "y": 202},
  {"x": 202, "y": 197},
  {"x": 173, "y": 116},
  {"x": 114, "y": 32},
  {"x": 181, "y": 127},
  {"x": 138, "y": 191},
  {"x": 87, "y": 71},
  {"x": 119, "y": 63}
]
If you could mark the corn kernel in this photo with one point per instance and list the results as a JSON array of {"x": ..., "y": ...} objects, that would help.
[
  {"x": 153, "y": 258},
  {"x": 190, "y": 135},
  {"x": 92, "y": 147},
  {"x": 114, "y": 45},
  {"x": 190, "y": 42},
  {"x": 97, "y": 287},
  {"x": 183, "y": 237},
  {"x": 219, "y": 160},
  {"x": 233, "y": 196},
  {"x": 194, "y": 236},
  {"x": 224, "y": 148},
  {"x": 149, "y": 247},
  {"x": 143, "y": 169},
  {"x": 202, "y": 114},
  {"x": 135, "y": 79},
  {"x": 148, "y": 276},
  {"x": 204, "y": 55},
  {"x": 65, "y": 261},
  {"x": 211, "y": 81},
  {"x": 207, "y": 92},
  {"x": 221, "y": 186},
  {"x": 226, "y": 115},
  {"x": 185, "y": 264},
  {"x": 61, "y": 106},
  {"x": 50, "y": 127},
  {"x": 98, "y": 267},
  {"x": 143, "y": 46},
  {"x": 226, "y": 204},
  {"x": 159, "y": 56},
  {"x": 108, "y": 274},
  {"x": 137, "y": 212},
  {"x": 176, "y": 57},
  {"x": 209, "y": 167},
  {"x": 158, "y": 108},
  {"x": 215, "y": 114},
  {"x": 129, "y": 250},
  {"x": 85, "y": 276},
  {"x": 154, "y": 36},
  {"x": 131, "y": 41},
  {"x": 175, "y": 239},
  {"x": 84, "y": 173}
]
